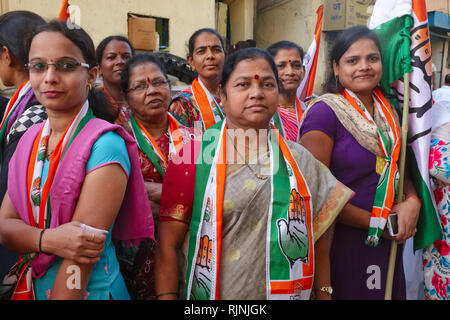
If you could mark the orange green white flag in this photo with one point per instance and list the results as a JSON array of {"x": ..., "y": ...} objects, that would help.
[
  {"x": 306, "y": 88},
  {"x": 64, "y": 14},
  {"x": 413, "y": 35}
]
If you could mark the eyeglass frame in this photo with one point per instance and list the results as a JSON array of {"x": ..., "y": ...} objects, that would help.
[
  {"x": 147, "y": 84},
  {"x": 76, "y": 63}
]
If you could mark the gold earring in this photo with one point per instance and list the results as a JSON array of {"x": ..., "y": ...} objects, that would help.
[{"x": 89, "y": 86}]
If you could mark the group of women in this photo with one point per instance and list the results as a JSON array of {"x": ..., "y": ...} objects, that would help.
[{"x": 231, "y": 189}]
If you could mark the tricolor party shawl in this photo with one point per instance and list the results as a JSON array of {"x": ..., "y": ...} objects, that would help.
[
  {"x": 289, "y": 240},
  {"x": 10, "y": 115},
  {"x": 54, "y": 203},
  {"x": 149, "y": 146},
  {"x": 39, "y": 211},
  {"x": 39, "y": 208},
  {"x": 390, "y": 147},
  {"x": 209, "y": 109}
]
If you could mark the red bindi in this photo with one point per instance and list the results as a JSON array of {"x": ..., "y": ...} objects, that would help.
[{"x": 256, "y": 77}]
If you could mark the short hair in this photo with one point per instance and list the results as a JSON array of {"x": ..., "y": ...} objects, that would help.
[
  {"x": 194, "y": 36},
  {"x": 447, "y": 79},
  {"x": 135, "y": 61},
  {"x": 243, "y": 54},
  {"x": 249, "y": 43},
  {"x": 102, "y": 45},
  {"x": 280, "y": 45}
]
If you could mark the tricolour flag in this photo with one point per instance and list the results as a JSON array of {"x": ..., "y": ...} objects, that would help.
[
  {"x": 392, "y": 21},
  {"x": 306, "y": 88},
  {"x": 403, "y": 25},
  {"x": 64, "y": 14}
]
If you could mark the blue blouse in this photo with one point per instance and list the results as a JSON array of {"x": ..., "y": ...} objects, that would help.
[{"x": 106, "y": 281}]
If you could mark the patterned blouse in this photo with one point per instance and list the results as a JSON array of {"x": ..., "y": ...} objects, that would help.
[
  {"x": 290, "y": 123},
  {"x": 185, "y": 109},
  {"x": 436, "y": 257}
]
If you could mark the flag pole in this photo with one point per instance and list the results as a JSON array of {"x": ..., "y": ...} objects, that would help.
[{"x": 404, "y": 137}]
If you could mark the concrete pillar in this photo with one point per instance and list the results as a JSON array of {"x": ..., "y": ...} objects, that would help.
[{"x": 242, "y": 15}]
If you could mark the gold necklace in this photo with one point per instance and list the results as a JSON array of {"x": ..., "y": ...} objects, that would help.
[
  {"x": 289, "y": 108},
  {"x": 260, "y": 177}
]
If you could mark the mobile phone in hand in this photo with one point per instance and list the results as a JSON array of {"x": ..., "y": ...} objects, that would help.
[{"x": 392, "y": 224}]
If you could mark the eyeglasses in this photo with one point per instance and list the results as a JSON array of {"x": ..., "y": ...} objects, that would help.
[
  {"x": 141, "y": 87},
  {"x": 61, "y": 66}
]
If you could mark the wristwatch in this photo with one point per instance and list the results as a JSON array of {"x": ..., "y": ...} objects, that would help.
[{"x": 328, "y": 289}]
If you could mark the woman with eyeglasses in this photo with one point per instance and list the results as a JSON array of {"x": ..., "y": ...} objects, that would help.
[
  {"x": 199, "y": 105},
  {"x": 159, "y": 135},
  {"x": 74, "y": 168},
  {"x": 112, "y": 53}
]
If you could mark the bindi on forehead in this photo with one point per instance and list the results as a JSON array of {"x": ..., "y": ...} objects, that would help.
[{"x": 256, "y": 77}]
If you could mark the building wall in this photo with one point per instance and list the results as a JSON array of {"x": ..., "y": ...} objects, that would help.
[
  {"x": 437, "y": 49},
  {"x": 446, "y": 62},
  {"x": 440, "y": 43},
  {"x": 242, "y": 19},
  {"x": 293, "y": 20},
  {"x": 101, "y": 18},
  {"x": 438, "y": 5}
]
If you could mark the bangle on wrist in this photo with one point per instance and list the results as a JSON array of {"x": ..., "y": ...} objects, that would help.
[
  {"x": 40, "y": 239},
  {"x": 166, "y": 294},
  {"x": 415, "y": 197}
]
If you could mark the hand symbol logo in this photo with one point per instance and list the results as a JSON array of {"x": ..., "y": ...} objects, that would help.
[
  {"x": 293, "y": 234},
  {"x": 201, "y": 284}
]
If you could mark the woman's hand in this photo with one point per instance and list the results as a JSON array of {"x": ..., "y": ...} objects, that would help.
[
  {"x": 70, "y": 241},
  {"x": 171, "y": 235},
  {"x": 408, "y": 215}
]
